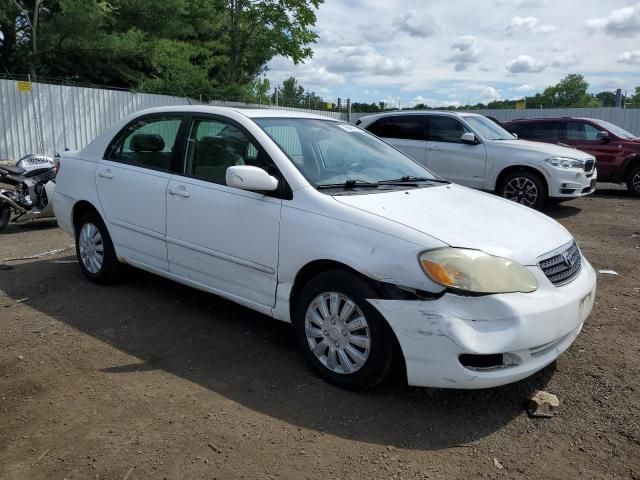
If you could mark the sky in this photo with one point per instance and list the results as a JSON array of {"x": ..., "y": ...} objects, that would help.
[{"x": 458, "y": 52}]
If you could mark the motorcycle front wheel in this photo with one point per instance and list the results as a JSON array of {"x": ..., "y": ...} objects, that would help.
[{"x": 5, "y": 215}]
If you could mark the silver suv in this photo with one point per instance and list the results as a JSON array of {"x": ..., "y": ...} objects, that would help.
[{"x": 470, "y": 149}]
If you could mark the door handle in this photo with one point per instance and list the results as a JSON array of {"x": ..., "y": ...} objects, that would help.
[
  {"x": 106, "y": 174},
  {"x": 180, "y": 191}
]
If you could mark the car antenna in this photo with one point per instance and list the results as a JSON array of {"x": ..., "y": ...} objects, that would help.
[{"x": 185, "y": 95}]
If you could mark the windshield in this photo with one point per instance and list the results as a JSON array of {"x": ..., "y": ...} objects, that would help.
[
  {"x": 616, "y": 130},
  {"x": 487, "y": 129},
  {"x": 329, "y": 153}
]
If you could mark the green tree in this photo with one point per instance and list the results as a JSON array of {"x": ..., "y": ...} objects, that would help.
[{"x": 291, "y": 94}]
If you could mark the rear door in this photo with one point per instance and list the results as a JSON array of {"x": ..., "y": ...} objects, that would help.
[
  {"x": 222, "y": 237},
  {"x": 449, "y": 157},
  {"x": 406, "y": 133},
  {"x": 132, "y": 183}
]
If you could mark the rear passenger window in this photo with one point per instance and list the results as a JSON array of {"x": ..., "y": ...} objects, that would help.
[
  {"x": 547, "y": 131},
  {"x": 215, "y": 145},
  {"x": 147, "y": 143},
  {"x": 445, "y": 129},
  {"x": 407, "y": 127}
]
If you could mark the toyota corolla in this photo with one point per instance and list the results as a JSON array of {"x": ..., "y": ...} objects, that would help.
[{"x": 316, "y": 222}]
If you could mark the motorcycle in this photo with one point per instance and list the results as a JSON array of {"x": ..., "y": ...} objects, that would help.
[{"x": 33, "y": 182}]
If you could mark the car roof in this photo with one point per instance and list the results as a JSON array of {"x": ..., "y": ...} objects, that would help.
[
  {"x": 537, "y": 119},
  {"x": 247, "y": 112},
  {"x": 420, "y": 112}
]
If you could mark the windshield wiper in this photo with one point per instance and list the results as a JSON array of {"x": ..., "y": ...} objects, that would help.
[
  {"x": 412, "y": 179},
  {"x": 348, "y": 185}
]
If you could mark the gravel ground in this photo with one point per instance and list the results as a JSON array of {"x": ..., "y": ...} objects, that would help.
[{"x": 150, "y": 379}]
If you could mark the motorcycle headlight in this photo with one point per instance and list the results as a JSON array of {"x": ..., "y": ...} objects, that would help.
[
  {"x": 476, "y": 271},
  {"x": 565, "y": 162}
]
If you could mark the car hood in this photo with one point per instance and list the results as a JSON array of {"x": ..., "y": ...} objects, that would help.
[
  {"x": 462, "y": 217},
  {"x": 547, "y": 149}
]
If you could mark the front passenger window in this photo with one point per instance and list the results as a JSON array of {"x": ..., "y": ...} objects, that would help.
[
  {"x": 215, "y": 145},
  {"x": 446, "y": 129}
]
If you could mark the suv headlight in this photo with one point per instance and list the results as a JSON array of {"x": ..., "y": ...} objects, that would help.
[
  {"x": 565, "y": 162},
  {"x": 476, "y": 271}
]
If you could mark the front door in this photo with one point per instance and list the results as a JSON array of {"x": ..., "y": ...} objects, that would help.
[
  {"x": 221, "y": 237},
  {"x": 584, "y": 136},
  {"x": 449, "y": 157},
  {"x": 132, "y": 183}
]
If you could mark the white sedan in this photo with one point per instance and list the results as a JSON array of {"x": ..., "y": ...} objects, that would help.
[{"x": 318, "y": 223}]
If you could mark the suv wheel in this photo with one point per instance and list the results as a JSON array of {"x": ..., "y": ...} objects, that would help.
[
  {"x": 94, "y": 249},
  {"x": 526, "y": 188},
  {"x": 633, "y": 180},
  {"x": 344, "y": 338}
]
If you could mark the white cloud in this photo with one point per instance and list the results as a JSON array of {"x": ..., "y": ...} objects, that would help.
[
  {"x": 565, "y": 61},
  {"x": 487, "y": 94},
  {"x": 363, "y": 58},
  {"x": 465, "y": 52},
  {"x": 416, "y": 23},
  {"x": 525, "y": 64},
  {"x": 525, "y": 87},
  {"x": 630, "y": 58},
  {"x": 432, "y": 102},
  {"x": 528, "y": 24},
  {"x": 623, "y": 22}
]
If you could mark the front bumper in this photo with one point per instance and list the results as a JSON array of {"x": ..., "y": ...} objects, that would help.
[
  {"x": 530, "y": 330},
  {"x": 571, "y": 182}
]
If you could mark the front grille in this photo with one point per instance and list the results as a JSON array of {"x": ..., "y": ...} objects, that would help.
[
  {"x": 589, "y": 164},
  {"x": 562, "y": 265}
]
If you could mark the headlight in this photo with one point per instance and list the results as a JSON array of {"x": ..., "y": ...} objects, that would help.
[
  {"x": 476, "y": 271},
  {"x": 565, "y": 162}
]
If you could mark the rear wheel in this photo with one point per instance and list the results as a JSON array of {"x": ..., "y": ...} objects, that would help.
[
  {"x": 344, "y": 338},
  {"x": 5, "y": 215},
  {"x": 633, "y": 180},
  {"x": 524, "y": 187},
  {"x": 95, "y": 250}
]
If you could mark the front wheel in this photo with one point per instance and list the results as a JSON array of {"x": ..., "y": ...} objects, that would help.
[
  {"x": 94, "y": 249},
  {"x": 633, "y": 180},
  {"x": 344, "y": 338},
  {"x": 526, "y": 188},
  {"x": 5, "y": 215}
]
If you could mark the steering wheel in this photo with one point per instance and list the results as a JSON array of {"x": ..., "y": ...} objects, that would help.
[{"x": 357, "y": 167}]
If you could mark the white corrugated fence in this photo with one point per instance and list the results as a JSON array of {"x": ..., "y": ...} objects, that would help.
[{"x": 51, "y": 118}]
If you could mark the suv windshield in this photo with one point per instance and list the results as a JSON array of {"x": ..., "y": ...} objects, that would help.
[
  {"x": 616, "y": 130},
  {"x": 333, "y": 153},
  {"x": 487, "y": 129}
]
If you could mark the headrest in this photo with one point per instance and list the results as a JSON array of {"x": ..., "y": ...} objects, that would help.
[
  {"x": 147, "y": 142},
  {"x": 213, "y": 142}
]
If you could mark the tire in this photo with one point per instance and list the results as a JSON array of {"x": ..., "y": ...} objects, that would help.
[
  {"x": 346, "y": 368},
  {"x": 633, "y": 180},
  {"x": 95, "y": 251},
  {"x": 524, "y": 187},
  {"x": 5, "y": 216}
]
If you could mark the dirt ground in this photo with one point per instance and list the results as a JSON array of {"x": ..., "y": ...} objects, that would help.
[{"x": 150, "y": 379}]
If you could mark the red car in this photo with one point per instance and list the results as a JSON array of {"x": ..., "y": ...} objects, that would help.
[{"x": 616, "y": 150}]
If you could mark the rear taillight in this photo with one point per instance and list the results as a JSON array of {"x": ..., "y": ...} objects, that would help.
[{"x": 57, "y": 167}]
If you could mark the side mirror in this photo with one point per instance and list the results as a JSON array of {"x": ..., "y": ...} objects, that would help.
[
  {"x": 469, "y": 138},
  {"x": 604, "y": 136},
  {"x": 247, "y": 177},
  {"x": 515, "y": 135}
]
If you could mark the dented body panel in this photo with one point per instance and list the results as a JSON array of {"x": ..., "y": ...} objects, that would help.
[{"x": 534, "y": 329}]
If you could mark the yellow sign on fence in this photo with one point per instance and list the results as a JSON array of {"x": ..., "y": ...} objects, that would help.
[
  {"x": 521, "y": 105},
  {"x": 24, "y": 86}
]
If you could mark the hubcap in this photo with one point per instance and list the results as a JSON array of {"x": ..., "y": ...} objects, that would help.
[
  {"x": 337, "y": 332},
  {"x": 521, "y": 190},
  {"x": 636, "y": 182},
  {"x": 91, "y": 247}
]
